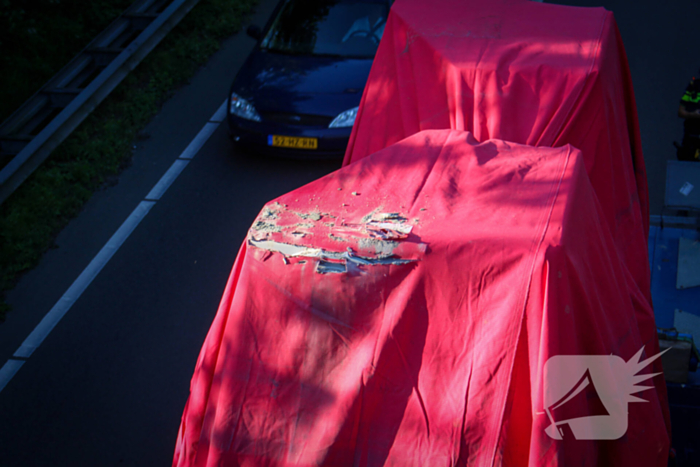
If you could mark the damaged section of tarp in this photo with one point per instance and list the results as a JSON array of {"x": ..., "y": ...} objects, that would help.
[
  {"x": 344, "y": 240},
  {"x": 328, "y": 267},
  {"x": 286, "y": 249},
  {"x": 388, "y": 230},
  {"x": 297, "y": 251}
]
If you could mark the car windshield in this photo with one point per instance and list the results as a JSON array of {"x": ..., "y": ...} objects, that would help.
[{"x": 327, "y": 27}]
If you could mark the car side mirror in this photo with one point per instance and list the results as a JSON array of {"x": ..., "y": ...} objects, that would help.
[{"x": 254, "y": 31}]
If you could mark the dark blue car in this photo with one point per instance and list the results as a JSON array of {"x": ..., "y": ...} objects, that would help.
[{"x": 298, "y": 92}]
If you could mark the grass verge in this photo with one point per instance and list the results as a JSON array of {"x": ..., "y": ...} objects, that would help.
[
  {"x": 100, "y": 148},
  {"x": 38, "y": 37}
]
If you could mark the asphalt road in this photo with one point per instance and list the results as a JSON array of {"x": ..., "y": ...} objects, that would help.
[{"x": 108, "y": 386}]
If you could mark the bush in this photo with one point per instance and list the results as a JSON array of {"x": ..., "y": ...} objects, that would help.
[{"x": 101, "y": 146}]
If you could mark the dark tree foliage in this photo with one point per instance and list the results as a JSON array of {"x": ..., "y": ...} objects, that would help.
[
  {"x": 39, "y": 37},
  {"x": 298, "y": 24}
]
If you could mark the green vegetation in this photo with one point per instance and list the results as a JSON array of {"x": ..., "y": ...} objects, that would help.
[
  {"x": 101, "y": 147},
  {"x": 38, "y": 37}
]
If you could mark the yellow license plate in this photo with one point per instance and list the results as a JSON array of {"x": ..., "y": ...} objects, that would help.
[{"x": 292, "y": 142}]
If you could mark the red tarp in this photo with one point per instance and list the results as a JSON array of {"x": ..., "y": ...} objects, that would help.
[
  {"x": 400, "y": 311},
  {"x": 520, "y": 71},
  {"x": 529, "y": 73}
]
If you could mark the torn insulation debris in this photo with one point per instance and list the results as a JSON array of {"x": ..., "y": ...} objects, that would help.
[
  {"x": 378, "y": 238},
  {"x": 372, "y": 215},
  {"x": 288, "y": 250},
  {"x": 388, "y": 230},
  {"x": 269, "y": 213},
  {"x": 314, "y": 215},
  {"x": 381, "y": 247},
  {"x": 262, "y": 226},
  {"x": 328, "y": 267},
  {"x": 391, "y": 217},
  {"x": 294, "y": 251}
]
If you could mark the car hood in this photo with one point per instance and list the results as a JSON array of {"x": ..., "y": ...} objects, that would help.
[{"x": 311, "y": 85}]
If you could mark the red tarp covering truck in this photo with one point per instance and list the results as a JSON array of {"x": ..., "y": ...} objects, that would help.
[
  {"x": 473, "y": 288},
  {"x": 529, "y": 73},
  {"x": 520, "y": 71}
]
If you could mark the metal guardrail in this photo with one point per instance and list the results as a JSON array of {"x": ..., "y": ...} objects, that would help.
[{"x": 30, "y": 134}]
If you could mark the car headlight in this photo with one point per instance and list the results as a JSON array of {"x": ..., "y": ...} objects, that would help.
[
  {"x": 242, "y": 108},
  {"x": 344, "y": 119}
]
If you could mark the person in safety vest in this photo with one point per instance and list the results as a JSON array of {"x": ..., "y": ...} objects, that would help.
[{"x": 689, "y": 110}]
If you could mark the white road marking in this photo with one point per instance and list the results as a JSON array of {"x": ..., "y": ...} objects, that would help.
[
  {"x": 199, "y": 140},
  {"x": 8, "y": 371},
  {"x": 166, "y": 180},
  {"x": 59, "y": 310},
  {"x": 220, "y": 115}
]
